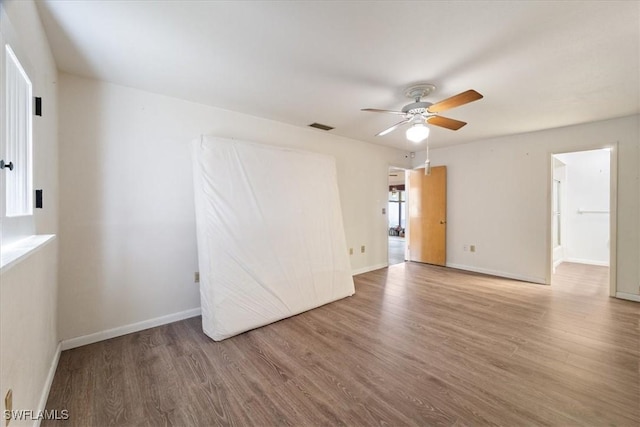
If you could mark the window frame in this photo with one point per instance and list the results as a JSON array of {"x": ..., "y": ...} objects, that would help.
[{"x": 15, "y": 227}]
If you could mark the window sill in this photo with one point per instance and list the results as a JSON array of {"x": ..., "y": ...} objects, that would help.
[{"x": 14, "y": 253}]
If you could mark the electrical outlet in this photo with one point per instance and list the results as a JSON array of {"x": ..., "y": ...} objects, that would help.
[
  {"x": 196, "y": 277},
  {"x": 8, "y": 404},
  {"x": 472, "y": 248},
  {"x": 362, "y": 249},
  {"x": 350, "y": 251}
]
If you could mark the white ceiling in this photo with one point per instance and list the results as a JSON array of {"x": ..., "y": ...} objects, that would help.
[{"x": 538, "y": 64}]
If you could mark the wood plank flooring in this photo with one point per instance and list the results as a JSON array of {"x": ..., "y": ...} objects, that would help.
[
  {"x": 416, "y": 345},
  {"x": 396, "y": 249}
]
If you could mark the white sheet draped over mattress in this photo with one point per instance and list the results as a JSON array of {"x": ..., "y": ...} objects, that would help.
[{"x": 270, "y": 235}]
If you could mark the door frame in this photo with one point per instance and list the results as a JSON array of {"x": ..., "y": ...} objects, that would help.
[
  {"x": 386, "y": 208},
  {"x": 613, "y": 210}
]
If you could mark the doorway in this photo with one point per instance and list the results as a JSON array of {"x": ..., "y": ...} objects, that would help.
[
  {"x": 396, "y": 214},
  {"x": 582, "y": 222}
]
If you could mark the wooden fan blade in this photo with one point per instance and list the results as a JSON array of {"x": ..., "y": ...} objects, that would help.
[
  {"x": 445, "y": 122},
  {"x": 392, "y": 128},
  {"x": 375, "y": 110},
  {"x": 455, "y": 101}
]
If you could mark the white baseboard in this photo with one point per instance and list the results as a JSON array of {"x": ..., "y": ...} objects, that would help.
[
  {"x": 47, "y": 384},
  {"x": 127, "y": 329},
  {"x": 587, "y": 261},
  {"x": 368, "y": 269},
  {"x": 630, "y": 297},
  {"x": 531, "y": 279}
]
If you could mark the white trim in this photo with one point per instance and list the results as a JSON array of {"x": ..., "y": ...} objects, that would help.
[
  {"x": 47, "y": 384},
  {"x": 530, "y": 279},
  {"x": 587, "y": 261},
  {"x": 127, "y": 329},
  {"x": 630, "y": 297},
  {"x": 613, "y": 220},
  {"x": 368, "y": 269},
  {"x": 550, "y": 266}
]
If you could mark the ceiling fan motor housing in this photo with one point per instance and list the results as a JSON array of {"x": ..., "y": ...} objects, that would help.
[{"x": 416, "y": 107}]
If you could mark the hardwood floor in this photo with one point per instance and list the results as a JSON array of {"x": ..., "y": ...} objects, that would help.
[
  {"x": 396, "y": 249},
  {"x": 416, "y": 345}
]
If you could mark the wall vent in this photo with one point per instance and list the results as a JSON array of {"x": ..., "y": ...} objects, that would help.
[{"x": 320, "y": 126}]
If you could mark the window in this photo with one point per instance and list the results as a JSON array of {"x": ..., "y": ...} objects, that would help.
[
  {"x": 18, "y": 138},
  {"x": 396, "y": 209},
  {"x": 16, "y": 184}
]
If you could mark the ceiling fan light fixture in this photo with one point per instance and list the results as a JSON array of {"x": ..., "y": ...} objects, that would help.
[
  {"x": 418, "y": 111},
  {"x": 418, "y": 132}
]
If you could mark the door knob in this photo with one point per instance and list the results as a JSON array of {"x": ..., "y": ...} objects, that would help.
[{"x": 443, "y": 222}]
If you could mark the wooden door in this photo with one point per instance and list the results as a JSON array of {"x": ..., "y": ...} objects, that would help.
[{"x": 428, "y": 216}]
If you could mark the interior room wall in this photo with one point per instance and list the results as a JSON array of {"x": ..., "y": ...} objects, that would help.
[
  {"x": 498, "y": 198},
  {"x": 28, "y": 298},
  {"x": 127, "y": 229},
  {"x": 586, "y": 235}
]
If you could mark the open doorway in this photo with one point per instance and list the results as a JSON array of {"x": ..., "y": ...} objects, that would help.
[
  {"x": 396, "y": 209},
  {"x": 581, "y": 222}
]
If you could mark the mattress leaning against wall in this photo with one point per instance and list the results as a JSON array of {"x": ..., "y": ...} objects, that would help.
[{"x": 271, "y": 240}]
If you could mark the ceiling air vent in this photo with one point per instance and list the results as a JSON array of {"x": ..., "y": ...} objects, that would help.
[{"x": 320, "y": 126}]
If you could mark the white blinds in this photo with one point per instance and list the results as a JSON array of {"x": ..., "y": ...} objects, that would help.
[{"x": 18, "y": 138}]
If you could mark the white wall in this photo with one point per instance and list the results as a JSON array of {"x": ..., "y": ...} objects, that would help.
[
  {"x": 498, "y": 198},
  {"x": 28, "y": 289},
  {"x": 127, "y": 230},
  {"x": 586, "y": 235}
]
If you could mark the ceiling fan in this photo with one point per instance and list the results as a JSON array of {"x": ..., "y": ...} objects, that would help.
[{"x": 418, "y": 113}]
